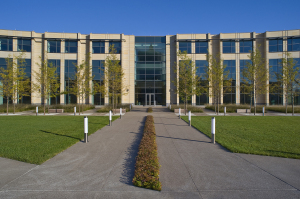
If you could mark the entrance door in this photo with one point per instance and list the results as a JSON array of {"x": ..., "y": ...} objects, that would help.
[{"x": 150, "y": 100}]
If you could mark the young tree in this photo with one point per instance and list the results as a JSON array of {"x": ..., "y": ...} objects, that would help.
[
  {"x": 46, "y": 81},
  {"x": 187, "y": 82},
  {"x": 255, "y": 76},
  {"x": 81, "y": 87},
  {"x": 218, "y": 78},
  {"x": 113, "y": 85},
  {"x": 289, "y": 78},
  {"x": 13, "y": 79}
]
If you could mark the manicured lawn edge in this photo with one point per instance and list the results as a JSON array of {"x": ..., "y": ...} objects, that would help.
[{"x": 146, "y": 173}]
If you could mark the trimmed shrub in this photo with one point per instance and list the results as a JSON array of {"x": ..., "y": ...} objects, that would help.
[
  {"x": 106, "y": 109},
  {"x": 150, "y": 110},
  {"x": 193, "y": 109},
  {"x": 146, "y": 173},
  {"x": 282, "y": 109},
  {"x": 231, "y": 108}
]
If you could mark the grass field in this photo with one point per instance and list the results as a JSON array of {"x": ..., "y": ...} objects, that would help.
[
  {"x": 271, "y": 136},
  {"x": 37, "y": 139},
  {"x": 231, "y": 108}
]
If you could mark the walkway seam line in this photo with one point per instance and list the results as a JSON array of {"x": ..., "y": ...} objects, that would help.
[
  {"x": 19, "y": 177},
  {"x": 182, "y": 161},
  {"x": 265, "y": 171}
]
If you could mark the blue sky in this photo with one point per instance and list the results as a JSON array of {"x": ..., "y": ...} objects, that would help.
[{"x": 150, "y": 17}]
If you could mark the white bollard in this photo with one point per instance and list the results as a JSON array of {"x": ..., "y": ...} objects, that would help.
[
  {"x": 213, "y": 130},
  {"x": 190, "y": 118},
  {"x": 179, "y": 113},
  {"x": 263, "y": 111},
  {"x": 224, "y": 110},
  {"x": 110, "y": 118},
  {"x": 170, "y": 106},
  {"x": 74, "y": 110},
  {"x": 120, "y": 113},
  {"x": 86, "y": 129},
  {"x": 37, "y": 110}
]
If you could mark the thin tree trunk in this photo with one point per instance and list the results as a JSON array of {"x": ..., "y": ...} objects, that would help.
[
  {"x": 14, "y": 107},
  {"x": 250, "y": 100},
  {"x": 286, "y": 103},
  {"x": 293, "y": 103},
  {"x": 7, "y": 105},
  {"x": 44, "y": 106},
  {"x": 79, "y": 104},
  {"x": 218, "y": 103},
  {"x": 254, "y": 104},
  {"x": 215, "y": 102}
]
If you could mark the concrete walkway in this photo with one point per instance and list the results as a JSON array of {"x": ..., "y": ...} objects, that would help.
[{"x": 191, "y": 167}]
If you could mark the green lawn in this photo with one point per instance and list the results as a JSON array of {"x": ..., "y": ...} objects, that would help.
[
  {"x": 271, "y": 136},
  {"x": 36, "y": 139}
]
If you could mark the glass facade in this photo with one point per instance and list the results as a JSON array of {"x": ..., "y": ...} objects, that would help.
[
  {"x": 98, "y": 77},
  {"x": 26, "y": 99},
  {"x": 6, "y": 44},
  {"x": 294, "y": 44},
  {"x": 246, "y": 46},
  {"x": 185, "y": 46},
  {"x": 228, "y": 46},
  {"x": 275, "y": 45},
  {"x": 245, "y": 95},
  {"x": 201, "y": 66},
  {"x": 275, "y": 93},
  {"x": 71, "y": 46},
  {"x": 70, "y": 72},
  {"x": 201, "y": 47},
  {"x": 56, "y": 63},
  {"x": 117, "y": 46},
  {"x": 150, "y": 70},
  {"x": 24, "y": 45},
  {"x": 98, "y": 47},
  {"x": 229, "y": 91},
  {"x": 53, "y": 46}
]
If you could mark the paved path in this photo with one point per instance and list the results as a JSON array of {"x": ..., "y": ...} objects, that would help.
[{"x": 191, "y": 167}]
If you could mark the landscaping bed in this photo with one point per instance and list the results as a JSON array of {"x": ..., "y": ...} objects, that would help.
[
  {"x": 268, "y": 135},
  {"x": 106, "y": 109},
  {"x": 231, "y": 108},
  {"x": 193, "y": 109},
  {"x": 282, "y": 109},
  {"x": 146, "y": 173}
]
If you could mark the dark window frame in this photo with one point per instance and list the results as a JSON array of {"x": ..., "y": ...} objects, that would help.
[
  {"x": 243, "y": 47},
  {"x": 98, "y": 49},
  {"x": 199, "y": 49},
  {"x": 70, "y": 48},
  {"x": 57, "y": 46},
  {"x": 278, "y": 47},
  {"x": 21, "y": 45},
  {"x": 185, "y": 46},
  {"x": 231, "y": 46},
  {"x": 292, "y": 45},
  {"x": 9, "y": 43}
]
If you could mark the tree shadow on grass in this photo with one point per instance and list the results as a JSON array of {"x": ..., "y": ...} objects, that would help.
[
  {"x": 76, "y": 138},
  {"x": 131, "y": 153}
]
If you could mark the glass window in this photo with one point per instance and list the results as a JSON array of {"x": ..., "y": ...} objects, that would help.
[
  {"x": 229, "y": 90},
  {"x": 53, "y": 46},
  {"x": 228, "y": 46},
  {"x": 201, "y": 66},
  {"x": 117, "y": 46},
  {"x": 24, "y": 45},
  {"x": 5, "y": 44},
  {"x": 245, "y": 95},
  {"x": 71, "y": 46},
  {"x": 98, "y": 78},
  {"x": 294, "y": 44},
  {"x": 201, "y": 47},
  {"x": 185, "y": 46},
  {"x": 245, "y": 46},
  {"x": 70, "y": 72},
  {"x": 275, "y": 45},
  {"x": 98, "y": 47},
  {"x": 275, "y": 95}
]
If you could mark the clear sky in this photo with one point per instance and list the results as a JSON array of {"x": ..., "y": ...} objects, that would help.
[{"x": 150, "y": 17}]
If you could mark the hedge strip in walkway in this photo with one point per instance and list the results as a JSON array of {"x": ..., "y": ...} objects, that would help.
[{"x": 147, "y": 166}]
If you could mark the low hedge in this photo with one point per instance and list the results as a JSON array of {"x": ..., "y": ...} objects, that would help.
[
  {"x": 231, "y": 108},
  {"x": 193, "y": 109},
  {"x": 282, "y": 109},
  {"x": 146, "y": 173},
  {"x": 107, "y": 108},
  {"x": 150, "y": 110}
]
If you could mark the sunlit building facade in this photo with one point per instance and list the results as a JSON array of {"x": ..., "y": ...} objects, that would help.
[{"x": 148, "y": 62}]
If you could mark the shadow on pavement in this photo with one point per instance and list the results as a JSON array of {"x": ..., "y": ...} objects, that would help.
[{"x": 131, "y": 153}]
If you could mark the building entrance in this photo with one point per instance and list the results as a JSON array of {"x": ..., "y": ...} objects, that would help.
[{"x": 150, "y": 99}]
